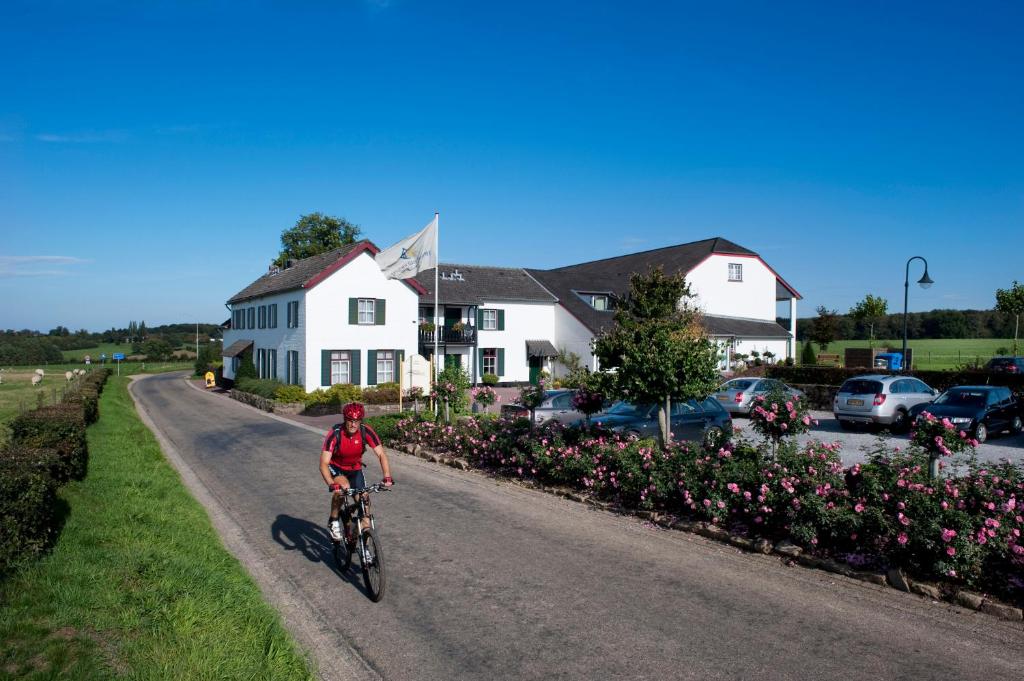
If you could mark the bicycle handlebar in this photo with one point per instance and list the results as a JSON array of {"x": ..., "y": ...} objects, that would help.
[{"x": 351, "y": 492}]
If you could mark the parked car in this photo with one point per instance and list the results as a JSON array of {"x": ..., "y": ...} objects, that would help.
[
  {"x": 704, "y": 421},
  {"x": 980, "y": 410},
  {"x": 557, "y": 406},
  {"x": 1005, "y": 365},
  {"x": 880, "y": 399},
  {"x": 737, "y": 395}
]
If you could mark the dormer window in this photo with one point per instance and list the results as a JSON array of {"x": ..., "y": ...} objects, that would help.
[
  {"x": 598, "y": 301},
  {"x": 735, "y": 271}
]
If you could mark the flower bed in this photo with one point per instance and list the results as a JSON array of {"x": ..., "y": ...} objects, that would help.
[{"x": 879, "y": 515}]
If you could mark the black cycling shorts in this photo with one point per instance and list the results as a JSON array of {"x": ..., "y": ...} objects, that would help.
[{"x": 355, "y": 478}]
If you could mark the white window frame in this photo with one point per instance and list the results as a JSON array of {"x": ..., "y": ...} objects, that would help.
[
  {"x": 735, "y": 271},
  {"x": 490, "y": 359},
  {"x": 594, "y": 297},
  {"x": 367, "y": 311},
  {"x": 385, "y": 366},
  {"x": 490, "y": 320},
  {"x": 341, "y": 366}
]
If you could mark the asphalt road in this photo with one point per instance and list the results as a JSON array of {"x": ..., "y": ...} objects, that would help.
[
  {"x": 855, "y": 443},
  {"x": 489, "y": 580}
]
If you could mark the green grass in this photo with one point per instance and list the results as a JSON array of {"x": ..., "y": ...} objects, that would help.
[
  {"x": 138, "y": 584},
  {"x": 948, "y": 353},
  {"x": 94, "y": 352}
]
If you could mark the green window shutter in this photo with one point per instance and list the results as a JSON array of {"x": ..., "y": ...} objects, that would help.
[
  {"x": 501, "y": 320},
  {"x": 354, "y": 364},
  {"x": 480, "y": 363},
  {"x": 353, "y": 310},
  {"x": 371, "y": 367},
  {"x": 378, "y": 315},
  {"x": 479, "y": 319},
  {"x": 325, "y": 367},
  {"x": 501, "y": 361}
]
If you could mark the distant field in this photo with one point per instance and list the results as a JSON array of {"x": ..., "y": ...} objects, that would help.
[
  {"x": 948, "y": 353},
  {"x": 95, "y": 352}
]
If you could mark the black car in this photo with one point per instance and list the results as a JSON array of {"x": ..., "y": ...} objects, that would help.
[
  {"x": 704, "y": 421},
  {"x": 977, "y": 409},
  {"x": 1005, "y": 365}
]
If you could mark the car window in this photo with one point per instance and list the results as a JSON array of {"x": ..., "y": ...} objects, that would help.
[
  {"x": 962, "y": 398},
  {"x": 921, "y": 387},
  {"x": 738, "y": 384},
  {"x": 562, "y": 401},
  {"x": 711, "y": 405},
  {"x": 860, "y": 386},
  {"x": 627, "y": 409},
  {"x": 993, "y": 398},
  {"x": 684, "y": 408},
  {"x": 898, "y": 387}
]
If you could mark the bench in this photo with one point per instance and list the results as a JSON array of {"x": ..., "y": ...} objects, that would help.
[{"x": 828, "y": 359}]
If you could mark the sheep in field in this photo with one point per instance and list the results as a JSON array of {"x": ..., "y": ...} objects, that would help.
[
  {"x": 68, "y": 375},
  {"x": 36, "y": 379}
]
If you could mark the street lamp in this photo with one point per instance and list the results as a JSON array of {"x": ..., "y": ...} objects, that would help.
[{"x": 925, "y": 282}]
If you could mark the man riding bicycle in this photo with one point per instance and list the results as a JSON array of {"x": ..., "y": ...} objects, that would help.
[{"x": 341, "y": 463}]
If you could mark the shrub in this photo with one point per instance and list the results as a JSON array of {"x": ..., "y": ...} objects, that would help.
[
  {"x": 386, "y": 426},
  {"x": 489, "y": 379},
  {"x": 264, "y": 387},
  {"x": 451, "y": 386},
  {"x": 86, "y": 398},
  {"x": 339, "y": 393},
  {"x": 246, "y": 369},
  {"x": 28, "y": 504},
  {"x": 778, "y": 415},
  {"x": 807, "y": 356},
  {"x": 290, "y": 393},
  {"x": 61, "y": 428},
  {"x": 383, "y": 393}
]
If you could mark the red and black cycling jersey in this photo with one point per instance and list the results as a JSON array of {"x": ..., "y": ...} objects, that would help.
[{"x": 347, "y": 450}]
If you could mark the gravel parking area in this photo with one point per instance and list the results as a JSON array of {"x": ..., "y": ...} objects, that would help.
[{"x": 856, "y": 442}]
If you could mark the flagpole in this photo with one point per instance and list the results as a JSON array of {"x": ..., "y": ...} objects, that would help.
[{"x": 437, "y": 268}]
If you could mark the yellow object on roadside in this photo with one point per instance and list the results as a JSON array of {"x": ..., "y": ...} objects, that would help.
[{"x": 211, "y": 380}]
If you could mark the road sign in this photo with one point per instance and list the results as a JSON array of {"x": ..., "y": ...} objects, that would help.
[{"x": 119, "y": 356}]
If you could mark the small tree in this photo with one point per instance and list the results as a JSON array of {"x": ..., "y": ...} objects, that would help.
[
  {"x": 246, "y": 369},
  {"x": 314, "y": 234},
  {"x": 807, "y": 356},
  {"x": 869, "y": 311},
  {"x": 824, "y": 327},
  {"x": 657, "y": 347},
  {"x": 1011, "y": 301}
]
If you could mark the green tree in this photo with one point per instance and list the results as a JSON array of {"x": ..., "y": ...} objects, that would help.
[
  {"x": 142, "y": 330},
  {"x": 658, "y": 348},
  {"x": 313, "y": 234},
  {"x": 156, "y": 349},
  {"x": 1011, "y": 301},
  {"x": 807, "y": 356},
  {"x": 869, "y": 311},
  {"x": 824, "y": 327}
]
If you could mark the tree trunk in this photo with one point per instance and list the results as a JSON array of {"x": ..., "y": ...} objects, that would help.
[{"x": 665, "y": 422}]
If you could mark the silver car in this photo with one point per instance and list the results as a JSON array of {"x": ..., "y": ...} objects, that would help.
[
  {"x": 557, "y": 406},
  {"x": 737, "y": 396},
  {"x": 880, "y": 399}
]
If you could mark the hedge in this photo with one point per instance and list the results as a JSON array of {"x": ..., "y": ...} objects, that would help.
[
  {"x": 28, "y": 505},
  {"x": 61, "y": 428},
  {"x": 940, "y": 380}
]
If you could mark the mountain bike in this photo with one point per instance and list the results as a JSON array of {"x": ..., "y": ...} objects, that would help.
[{"x": 364, "y": 543}]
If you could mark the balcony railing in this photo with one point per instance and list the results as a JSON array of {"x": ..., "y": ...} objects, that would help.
[{"x": 466, "y": 336}]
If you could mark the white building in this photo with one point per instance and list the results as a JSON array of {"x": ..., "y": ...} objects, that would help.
[
  {"x": 335, "y": 318},
  {"x": 331, "y": 318}
]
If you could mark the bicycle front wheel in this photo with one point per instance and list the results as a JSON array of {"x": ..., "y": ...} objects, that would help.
[{"x": 373, "y": 566}]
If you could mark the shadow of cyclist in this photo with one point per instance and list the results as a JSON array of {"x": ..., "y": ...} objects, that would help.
[{"x": 298, "y": 534}]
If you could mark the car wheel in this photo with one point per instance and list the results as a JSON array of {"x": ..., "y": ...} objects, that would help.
[
  {"x": 981, "y": 432},
  {"x": 1015, "y": 425},
  {"x": 713, "y": 438},
  {"x": 900, "y": 422}
]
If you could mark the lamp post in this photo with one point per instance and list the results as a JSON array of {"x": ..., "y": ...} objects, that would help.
[{"x": 925, "y": 282}]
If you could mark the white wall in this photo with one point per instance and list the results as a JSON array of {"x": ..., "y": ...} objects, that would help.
[
  {"x": 752, "y": 298},
  {"x": 281, "y": 338},
  {"x": 572, "y": 335},
  {"x": 523, "y": 321},
  {"x": 327, "y": 321}
]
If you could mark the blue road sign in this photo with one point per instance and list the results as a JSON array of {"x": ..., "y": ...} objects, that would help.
[{"x": 119, "y": 356}]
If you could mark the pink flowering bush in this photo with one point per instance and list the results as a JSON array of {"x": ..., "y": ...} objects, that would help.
[
  {"x": 940, "y": 437},
  {"x": 588, "y": 401},
  {"x": 485, "y": 395},
  {"x": 778, "y": 415}
]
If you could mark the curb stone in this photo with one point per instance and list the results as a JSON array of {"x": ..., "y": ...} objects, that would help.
[
  {"x": 969, "y": 599},
  {"x": 1006, "y": 612}
]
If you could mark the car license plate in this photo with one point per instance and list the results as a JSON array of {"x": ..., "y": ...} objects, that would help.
[
  {"x": 855, "y": 403},
  {"x": 723, "y": 398}
]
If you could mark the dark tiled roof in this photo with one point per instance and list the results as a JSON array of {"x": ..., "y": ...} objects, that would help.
[
  {"x": 611, "y": 275},
  {"x": 540, "y": 348},
  {"x": 296, "y": 276},
  {"x": 481, "y": 284},
  {"x": 743, "y": 328},
  {"x": 237, "y": 348}
]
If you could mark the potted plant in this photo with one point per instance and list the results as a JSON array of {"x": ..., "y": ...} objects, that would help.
[{"x": 458, "y": 327}]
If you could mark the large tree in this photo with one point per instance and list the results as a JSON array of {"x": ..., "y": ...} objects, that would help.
[
  {"x": 313, "y": 234},
  {"x": 824, "y": 327},
  {"x": 869, "y": 311},
  {"x": 1011, "y": 301},
  {"x": 658, "y": 348}
]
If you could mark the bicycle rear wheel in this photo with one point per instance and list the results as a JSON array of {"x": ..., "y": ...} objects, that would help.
[
  {"x": 342, "y": 556},
  {"x": 373, "y": 566}
]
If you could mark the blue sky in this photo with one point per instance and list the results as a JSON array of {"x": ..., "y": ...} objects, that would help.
[{"x": 152, "y": 153}]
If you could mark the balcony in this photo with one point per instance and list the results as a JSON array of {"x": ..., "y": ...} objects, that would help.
[{"x": 466, "y": 336}]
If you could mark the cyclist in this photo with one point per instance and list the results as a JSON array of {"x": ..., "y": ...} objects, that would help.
[{"x": 341, "y": 463}]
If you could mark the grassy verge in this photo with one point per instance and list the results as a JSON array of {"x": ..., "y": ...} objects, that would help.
[
  {"x": 936, "y": 354},
  {"x": 138, "y": 584}
]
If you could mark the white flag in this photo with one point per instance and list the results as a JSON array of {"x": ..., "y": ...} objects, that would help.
[{"x": 411, "y": 255}]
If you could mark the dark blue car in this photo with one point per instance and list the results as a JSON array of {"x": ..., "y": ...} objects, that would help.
[
  {"x": 976, "y": 409},
  {"x": 704, "y": 421}
]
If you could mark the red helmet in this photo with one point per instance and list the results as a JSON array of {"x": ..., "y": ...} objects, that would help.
[{"x": 353, "y": 411}]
